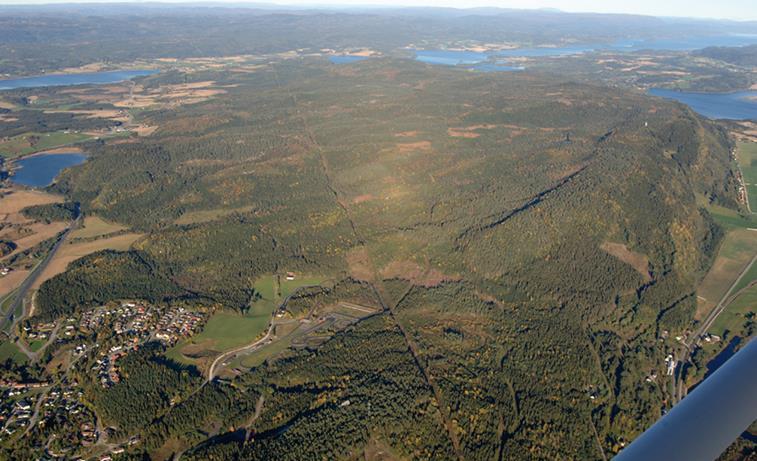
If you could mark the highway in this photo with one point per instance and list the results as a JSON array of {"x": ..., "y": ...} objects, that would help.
[{"x": 7, "y": 316}]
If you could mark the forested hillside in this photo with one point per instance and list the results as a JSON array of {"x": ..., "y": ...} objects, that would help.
[{"x": 529, "y": 241}]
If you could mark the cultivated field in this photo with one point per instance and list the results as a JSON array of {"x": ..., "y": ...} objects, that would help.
[
  {"x": 20, "y": 145},
  {"x": 735, "y": 315},
  {"x": 71, "y": 251},
  {"x": 746, "y": 153},
  {"x": 11, "y": 281},
  {"x": 25, "y": 232},
  {"x": 95, "y": 226},
  {"x": 736, "y": 251}
]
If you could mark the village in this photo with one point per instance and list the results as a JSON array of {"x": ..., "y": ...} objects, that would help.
[{"x": 110, "y": 332}]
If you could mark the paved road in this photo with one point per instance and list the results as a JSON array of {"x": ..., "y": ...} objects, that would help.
[
  {"x": 724, "y": 302},
  {"x": 27, "y": 284},
  {"x": 220, "y": 358},
  {"x": 685, "y": 352}
]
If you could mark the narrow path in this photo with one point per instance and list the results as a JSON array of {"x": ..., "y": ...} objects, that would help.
[
  {"x": 413, "y": 348},
  {"x": 599, "y": 441},
  {"x": 255, "y": 416},
  {"x": 410, "y": 343}
]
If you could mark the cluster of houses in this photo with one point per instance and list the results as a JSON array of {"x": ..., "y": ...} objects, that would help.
[
  {"x": 64, "y": 403},
  {"x": 15, "y": 414},
  {"x": 40, "y": 331},
  {"x": 178, "y": 323},
  {"x": 128, "y": 317},
  {"x": 135, "y": 323},
  {"x": 107, "y": 367}
]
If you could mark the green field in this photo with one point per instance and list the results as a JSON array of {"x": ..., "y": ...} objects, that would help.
[
  {"x": 746, "y": 154},
  {"x": 748, "y": 278},
  {"x": 8, "y": 350},
  {"x": 228, "y": 330},
  {"x": 288, "y": 286},
  {"x": 20, "y": 145},
  {"x": 36, "y": 345},
  {"x": 733, "y": 317},
  {"x": 726, "y": 217},
  {"x": 737, "y": 249}
]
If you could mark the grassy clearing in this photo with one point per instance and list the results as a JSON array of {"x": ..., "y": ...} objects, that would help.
[
  {"x": 8, "y": 350},
  {"x": 227, "y": 330},
  {"x": 746, "y": 154},
  {"x": 737, "y": 249},
  {"x": 733, "y": 317},
  {"x": 95, "y": 226},
  {"x": 29, "y": 143},
  {"x": 36, "y": 345},
  {"x": 748, "y": 278},
  {"x": 288, "y": 286},
  {"x": 728, "y": 218}
]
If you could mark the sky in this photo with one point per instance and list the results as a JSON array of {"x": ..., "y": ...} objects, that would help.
[{"x": 720, "y": 9}]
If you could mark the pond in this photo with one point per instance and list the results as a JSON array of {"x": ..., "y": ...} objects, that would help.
[
  {"x": 741, "y": 105},
  {"x": 41, "y": 170},
  {"x": 74, "y": 79}
]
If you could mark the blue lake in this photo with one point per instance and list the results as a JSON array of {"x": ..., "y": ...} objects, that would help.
[
  {"x": 732, "y": 106},
  {"x": 74, "y": 79},
  {"x": 41, "y": 170},
  {"x": 346, "y": 59},
  {"x": 456, "y": 57}
]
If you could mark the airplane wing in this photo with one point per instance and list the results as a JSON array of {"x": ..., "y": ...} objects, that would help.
[{"x": 707, "y": 420}]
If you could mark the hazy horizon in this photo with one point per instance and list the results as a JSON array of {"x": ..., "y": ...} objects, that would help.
[{"x": 735, "y": 10}]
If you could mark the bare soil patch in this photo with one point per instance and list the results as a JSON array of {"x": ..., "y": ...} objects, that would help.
[
  {"x": 462, "y": 133},
  {"x": 95, "y": 226},
  {"x": 39, "y": 232},
  {"x": 359, "y": 264},
  {"x": 638, "y": 261},
  {"x": 20, "y": 199},
  {"x": 415, "y": 273},
  {"x": 407, "y": 147},
  {"x": 61, "y": 150},
  {"x": 12, "y": 281},
  {"x": 362, "y": 198}
]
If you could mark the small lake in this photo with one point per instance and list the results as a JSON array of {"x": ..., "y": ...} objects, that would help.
[
  {"x": 346, "y": 59},
  {"x": 74, "y": 79},
  {"x": 741, "y": 105},
  {"x": 41, "y": 170}
]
